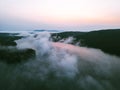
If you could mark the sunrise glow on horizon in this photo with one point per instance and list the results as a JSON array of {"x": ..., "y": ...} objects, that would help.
[{"x": 59, "y": 14}]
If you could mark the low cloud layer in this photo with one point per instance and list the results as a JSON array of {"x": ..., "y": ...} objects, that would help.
[{"x": 61, "y": 66}]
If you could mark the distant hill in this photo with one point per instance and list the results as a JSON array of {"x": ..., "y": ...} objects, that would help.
[
  {"x": 51, "y": 31},
  {"x": 106, "y": 40}
]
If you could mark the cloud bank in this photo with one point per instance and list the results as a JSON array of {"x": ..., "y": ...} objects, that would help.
[{"x": 61, "y": 66}]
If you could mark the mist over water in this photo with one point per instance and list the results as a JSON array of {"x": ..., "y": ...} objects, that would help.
[{"x": 60, "y": 66}]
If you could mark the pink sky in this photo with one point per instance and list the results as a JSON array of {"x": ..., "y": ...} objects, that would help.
[{"x": 59, "y": 14}]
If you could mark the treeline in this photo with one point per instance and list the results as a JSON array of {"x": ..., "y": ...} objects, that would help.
[
  {"x": 106, "y": 40},
  {"x": 7, "y": 39},
  {"x": 13, "y": 55},
  {"x": 9, "y": 53}
]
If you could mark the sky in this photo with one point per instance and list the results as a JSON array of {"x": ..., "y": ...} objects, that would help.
[{"x": 80, "y": 15}]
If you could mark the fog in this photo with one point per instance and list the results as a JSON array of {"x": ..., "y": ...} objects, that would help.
[{"x": 60, "y": 66}]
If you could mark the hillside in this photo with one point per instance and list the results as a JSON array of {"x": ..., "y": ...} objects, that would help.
[{"x": 106, "y": 40}]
